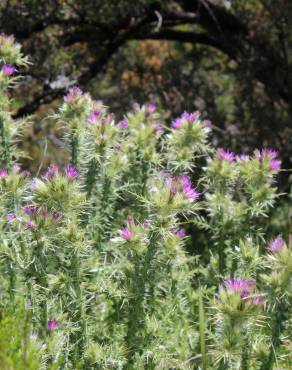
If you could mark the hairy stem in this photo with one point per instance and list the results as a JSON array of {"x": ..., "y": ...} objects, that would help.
[{"x": 202, "y": 332}]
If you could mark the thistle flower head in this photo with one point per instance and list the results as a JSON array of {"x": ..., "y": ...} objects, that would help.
[
  {"x": 30, "y": 225},
  {"x": 181, "y": 233},
  {"x": 146, "y": 223},
  {"x": 126, "y": 234},
  {"x": 53, "y": 325},
  {"x": 51, "y": 172},
  {"x": 71, "y": 172},
  {"x": 117, "y": 147},
  {"x": 244, "y": 287},
  {"x": 269, "y": 153},
  {"x": 183, "y": 183},
  {"x": 10, "y": 217},
  {"x": 30, "y": 210},
  {"x": 94, "y": 116},
  {"x": 190, "y": 117},
  {"x": 3, "y": 173},
  {"x": 35, "y": 183},
  {"x": 189, "y": 191},
  {"x": 6, "y": 38},
  {"x": 74, "y": 93},
  {"x": 242, "y": 158},
  {"x": 177, "y": 123},
  {"x": 8, "y": 70},
  {"x": 172, "y": 184},
  {"x": 25, "y": 173},
  {"x": 56, "y": 216},
  {"x": 225, "y": 155},
  {"x": 275, "y": 165},
  {"x": 276, "y": 245},
  {"x": 123, "y": 124},
  {"x": 158, "y": 128},
  {"x": 16, "y": 168},
  {"x": 151, "y": 107}
]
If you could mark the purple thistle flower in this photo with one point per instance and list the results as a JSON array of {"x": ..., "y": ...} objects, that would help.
[
  {"x": 117, "y": 147},
  {"x": 25, "y": 173},
  {"x": 151, "y": 107},
  {"x": 146, "y": 223},
  {"x": 275, "y": 165},
  {"x": 269, "y": 153},
  {"x": 56, "y": 216},
  {"x": 172, "y": 184},
  {"x": 123, "y": 124},
  {"x": 188, "y": 190},
  {"x": 16, "y": 168},
  {"x": 34, "y": 184},
  {"x": 276, "y": 245},
  {"x": 74, "y": 92},
  {"x": 97, "y": 112},
  {"x": 181, "y": 233},
  {"x": 126, "y": 233},
  {"x": 185, "y": 115},
  {"x": 8, "y": 70},
  {"x": 242, "y": 286},
  {"x": 177, "y": 123},
  {"x": 51, "y": 172},
  {"x": 158, "y": 128},
  {"x": 53, "y": 325},
  {"x": 30, "y": 225},
  {"x": 30, "y": 210},
  {"x": 10, "y": 217},
  {"x": 190, "y": 117},
  {"x": 242, "y": 157},
  {"x": 3, "y": 173},
  {"x": 71, "y": 172},
  {"x": 7, "y": 38},
  {"x": 225, "y": 155},
  {"x": 94, "y": 116}
]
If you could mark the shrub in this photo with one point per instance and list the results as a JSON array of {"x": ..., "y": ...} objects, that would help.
[{"x": 97, "y": 249}]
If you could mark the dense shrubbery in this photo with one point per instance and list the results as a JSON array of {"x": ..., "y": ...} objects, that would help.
[{"x": 94, "y": 273}]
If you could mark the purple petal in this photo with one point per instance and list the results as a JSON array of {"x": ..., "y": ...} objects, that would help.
[
  {"x": 53, "y": 325},
  {"x": 8, "y": 70},
  {"x": 126, "y": 234},
  {"x": 71, "y": 172}
]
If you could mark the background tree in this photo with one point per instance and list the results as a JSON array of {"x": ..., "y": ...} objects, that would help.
[{"x": 230, "y": 59}]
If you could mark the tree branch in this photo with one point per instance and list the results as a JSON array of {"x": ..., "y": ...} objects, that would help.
[{"x": 189, "y": 37}]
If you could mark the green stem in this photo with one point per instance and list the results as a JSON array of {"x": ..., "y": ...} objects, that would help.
[
  {"x": 38, "y": 273},
  {"x": 80, "y": 335},
  {"x": 91, "y": 177},
  {"x": 12, "y": 279},
  {"x": 245, "y": 352},
  {"x": 202, "y": 327},
  {"x": 280, "y": 315},
  {"x": 7, "y": 155},
  {"x": 74, "y": 143},
  {"x": 141, "y": 279}
]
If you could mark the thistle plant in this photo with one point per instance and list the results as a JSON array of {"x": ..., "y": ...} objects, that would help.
[{"x": 98, "y": 250}]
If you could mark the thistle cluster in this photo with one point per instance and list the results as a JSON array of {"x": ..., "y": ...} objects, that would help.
[{"x": 94, "y": 255}]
